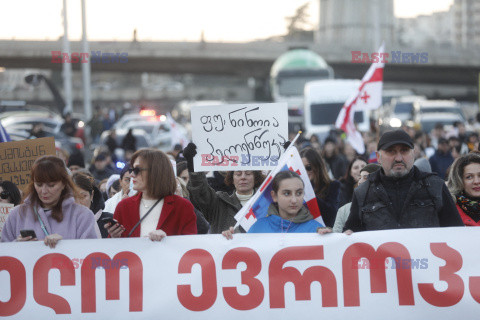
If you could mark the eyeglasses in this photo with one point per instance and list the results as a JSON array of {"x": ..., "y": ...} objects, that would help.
[
  {"x": 4, "y": 194},
  {"x": 308, "y": 167},
  {"x": 136, "y": 170}
]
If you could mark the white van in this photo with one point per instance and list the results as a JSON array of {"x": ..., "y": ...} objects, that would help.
[{"x": 323, "y": 101}]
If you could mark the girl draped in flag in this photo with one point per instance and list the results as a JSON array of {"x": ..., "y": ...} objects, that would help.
[{"x": 286, "y": 214}]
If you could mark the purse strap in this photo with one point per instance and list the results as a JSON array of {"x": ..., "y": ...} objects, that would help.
[
  {"x": 42, "y": 225},
  {"x": 140, "y": 221}
]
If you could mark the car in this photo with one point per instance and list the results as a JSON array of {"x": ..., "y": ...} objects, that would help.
[
  {"x": 401, "y": 110},
  {"x": 427, "y": 121},
  {"x": 158, "y": 132},
  {"x": 129, "y": 117},
  {"x": 439, "y": 106},
  {"x": 70, "y": 144},
  {"x": 22, "y": 123},
  {"x": 25, "y": 122},
  {"x": 139, "y": 134}
]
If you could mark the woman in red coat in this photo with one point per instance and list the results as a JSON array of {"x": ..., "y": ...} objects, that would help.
[
  {"x": 464, "y": 184},
  {"x": 155, "y": 211}
]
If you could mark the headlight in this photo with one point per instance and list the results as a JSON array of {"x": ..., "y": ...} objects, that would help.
[{"x": 395, "y": 123}]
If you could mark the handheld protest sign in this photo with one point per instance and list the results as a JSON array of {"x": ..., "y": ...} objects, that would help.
[
  {"x": 4, "y": 211},
  {"x": 240, "y": 136},
  {"x": 17, "y": 158}
]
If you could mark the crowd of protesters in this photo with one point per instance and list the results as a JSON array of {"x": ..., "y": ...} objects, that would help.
[{"x": 405, "y": 179}]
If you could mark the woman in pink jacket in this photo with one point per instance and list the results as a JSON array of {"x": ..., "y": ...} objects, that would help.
[{"x": 49, "y": 211}]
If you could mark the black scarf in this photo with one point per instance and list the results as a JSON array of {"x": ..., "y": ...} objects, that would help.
[{"x": 469, "y": 205}]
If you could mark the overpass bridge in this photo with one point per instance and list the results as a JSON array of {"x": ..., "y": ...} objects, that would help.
[{"x": 253, "y": 59}]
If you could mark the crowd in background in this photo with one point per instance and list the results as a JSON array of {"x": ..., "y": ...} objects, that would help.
[{"x": 157, "y": 194}]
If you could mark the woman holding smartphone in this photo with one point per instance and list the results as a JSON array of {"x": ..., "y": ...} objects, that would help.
[
  {"x": 155, "y": 211},
  {"x": 49, "y": 208}
]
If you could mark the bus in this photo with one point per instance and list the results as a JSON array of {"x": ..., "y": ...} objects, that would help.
[{"x": 288, "y": 76}]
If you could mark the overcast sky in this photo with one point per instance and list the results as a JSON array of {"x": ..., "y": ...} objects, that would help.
[{"x": 178, "y": 20}]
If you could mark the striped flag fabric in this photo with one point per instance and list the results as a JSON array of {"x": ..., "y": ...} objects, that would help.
[
  {"x": 257, "y": 206},
  {"x": 368, "y": 97},
  {"x": 4, "y": 137}
]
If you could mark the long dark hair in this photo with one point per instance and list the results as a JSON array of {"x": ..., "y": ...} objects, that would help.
[
  {"x": 282, "y": 175},
  {"x": 12, "y": 190},
  {"x": 348, "y": 177},
  {"x": 321, "y": 180},
  {"x": 87, "y": 182}
]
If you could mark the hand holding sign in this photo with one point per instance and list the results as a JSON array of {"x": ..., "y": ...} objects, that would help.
[{"x": 239, "y": 137}]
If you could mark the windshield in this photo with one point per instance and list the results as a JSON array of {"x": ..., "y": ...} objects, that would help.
[
  {"x": 404, "y": 107},
  {"x": 148, "y": 128},
  {"x": 442, "y": 110},
  {"x": 428, "y": 125},
  {"x": 327, "y": 113},
  {"x": 293, "y": 86}
]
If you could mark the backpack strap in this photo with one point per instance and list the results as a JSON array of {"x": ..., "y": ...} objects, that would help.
[{"x": 361, "y": 195}]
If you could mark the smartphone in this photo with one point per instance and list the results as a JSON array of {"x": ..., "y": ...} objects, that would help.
[
  {"x": 28, "y": 233},
  {"x": 109, "y": 220}
]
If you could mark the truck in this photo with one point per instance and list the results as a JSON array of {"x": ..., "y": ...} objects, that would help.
[
  {"x": 288, "y": 76},
  {"x": 323, "y": 101}
]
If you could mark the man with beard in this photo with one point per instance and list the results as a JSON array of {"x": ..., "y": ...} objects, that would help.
[{"x": 399, "y": 195}]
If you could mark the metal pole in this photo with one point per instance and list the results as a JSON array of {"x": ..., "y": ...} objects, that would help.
[
  {"x": 67, "y": 67},
  {"x": 87, "y": 103},
  {"x": 376, "y": 25}
]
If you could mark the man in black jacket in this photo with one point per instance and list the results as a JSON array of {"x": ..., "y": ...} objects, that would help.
[{"x": 399, "y": 195}]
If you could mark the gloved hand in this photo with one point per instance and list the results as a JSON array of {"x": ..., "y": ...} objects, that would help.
[
  {"x": 188, "y": 153},
  {"x": 286, "y": 145}
]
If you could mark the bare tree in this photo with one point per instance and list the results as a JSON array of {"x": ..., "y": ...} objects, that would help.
[{"x": 299, "y": 22}]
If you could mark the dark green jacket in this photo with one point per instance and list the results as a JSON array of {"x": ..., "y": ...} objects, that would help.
[{"x": 218, "y": 207}]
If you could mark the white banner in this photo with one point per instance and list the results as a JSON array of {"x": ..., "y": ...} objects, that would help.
[
  {"x": 402, "y": 274},
  {"x": 239, "y": 136}
]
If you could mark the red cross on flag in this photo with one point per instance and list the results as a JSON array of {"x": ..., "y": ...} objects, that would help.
[{"x": 368, "y": 97}]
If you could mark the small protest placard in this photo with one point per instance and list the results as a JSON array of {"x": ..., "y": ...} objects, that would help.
[
  {"x": 4, "y": 211},
  {"x": 240, "y": 136},
  {"x": 17, "y": 157}
]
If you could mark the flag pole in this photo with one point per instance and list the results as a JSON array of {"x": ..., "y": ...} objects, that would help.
[
  {"x": 292, "y": 143},
  {"x": 295, "y": 139}
]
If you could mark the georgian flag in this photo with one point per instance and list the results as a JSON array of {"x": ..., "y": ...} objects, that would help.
[
  {"x": 258, "y": 205},
  {"x": 368, "y": 97}
]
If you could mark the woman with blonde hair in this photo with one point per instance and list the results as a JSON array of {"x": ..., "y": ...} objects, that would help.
[{"x": 464, "y": 184}]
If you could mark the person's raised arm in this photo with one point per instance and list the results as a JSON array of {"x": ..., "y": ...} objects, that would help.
[{"x": 202, "y": 196}]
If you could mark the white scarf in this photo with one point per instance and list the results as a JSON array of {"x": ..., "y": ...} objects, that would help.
[{"x": 243, "y": 198}]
